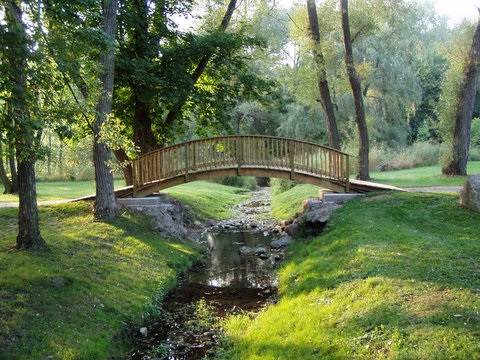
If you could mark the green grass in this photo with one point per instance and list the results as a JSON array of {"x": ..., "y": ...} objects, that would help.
[
  {"x": 286, "y": 204},
  {"x": 423, "y": 176},
  {"x": 395, "y": 276},
  {"x": 59, "y": 190},
  {"x": 112, "y": 275},
  {"x": 209, "y": 200}
]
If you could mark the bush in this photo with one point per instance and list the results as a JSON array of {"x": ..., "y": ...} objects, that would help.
[
  {"x": 474, "y": 154},
  {"x": 281, "y": 185},
  {"x": 475, "y": 132},
  {"x": 244, "y": 182},
  {"x": 419, "y": 154}
]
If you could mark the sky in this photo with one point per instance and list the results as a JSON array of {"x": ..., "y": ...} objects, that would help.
[{"x": 455, "y": 10}]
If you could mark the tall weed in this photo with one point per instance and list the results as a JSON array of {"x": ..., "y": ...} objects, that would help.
[{"x": 419, "y": 154}]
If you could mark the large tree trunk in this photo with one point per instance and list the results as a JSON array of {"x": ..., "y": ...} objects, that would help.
[
  {"x": 325, "y": 98},
  {"x": 464, "y": 113},
  {"x": 355, "y": 84},
  {"x": 105, "y": 201},
  {"x": 28, "y": 227},
  {"x": 23, "y": 132}
]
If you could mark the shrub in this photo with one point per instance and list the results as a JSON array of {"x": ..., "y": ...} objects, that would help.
[
  {"x": 474, "y": 154},
  {"x": 281, "y": 185},
  {"x": 475, "y": 132},
  {"x": 245, "y": 182},
  {"x": 419, "y": 154}
]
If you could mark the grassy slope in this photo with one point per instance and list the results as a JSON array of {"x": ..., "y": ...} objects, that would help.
[
  {"x": 423, "y": 176},
  {"x": 285, "y": 205},
  {"x": 394, "y": 277},
  {"x": 55, "y": 190},
  {"x": 208, "y": 200},
  {"x": 111, "y": 272}
]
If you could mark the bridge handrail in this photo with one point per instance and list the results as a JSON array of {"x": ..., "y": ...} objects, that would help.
[{"x": 241, "y": 151}]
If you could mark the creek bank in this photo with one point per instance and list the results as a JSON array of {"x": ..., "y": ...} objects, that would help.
[
  {"x": 186, "y": 322},
  {"x": 186, "y": 325},
  {"x": 311, "y": 221}
]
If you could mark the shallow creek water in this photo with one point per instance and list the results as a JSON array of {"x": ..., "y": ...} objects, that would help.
[{"x": 226, "y": 283}]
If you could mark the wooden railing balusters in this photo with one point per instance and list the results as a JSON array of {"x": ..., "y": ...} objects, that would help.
[{"x": 242, "y": 151}]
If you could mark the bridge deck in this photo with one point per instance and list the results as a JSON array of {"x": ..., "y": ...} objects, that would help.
[{"x": 247, "y": 155}]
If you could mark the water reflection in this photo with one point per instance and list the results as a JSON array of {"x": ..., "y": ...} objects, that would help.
[{"x": 227, "y": 268}]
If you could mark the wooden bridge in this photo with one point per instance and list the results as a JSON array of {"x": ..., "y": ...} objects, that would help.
[{"x": 242, "y": 155}]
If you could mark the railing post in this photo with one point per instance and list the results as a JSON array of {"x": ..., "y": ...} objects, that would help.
[
  {"x": 186, "y": 163},
  {"x": 347, "y": 175},
  {"x": 194, "y": 156},
  {"x": 291, "y": 153},
  {"x": 134, "y": 176},
  {"x": 239, "y": 155}
]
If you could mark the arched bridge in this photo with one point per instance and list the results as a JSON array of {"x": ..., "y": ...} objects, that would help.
[{"x": 242, "y": 155}]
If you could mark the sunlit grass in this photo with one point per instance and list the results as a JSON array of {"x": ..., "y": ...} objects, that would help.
[
  {"x": 209, "y": 200},
  {"x": 75, "y": 300},
  {"x": 394, "y": 277},
  {"x": 71, "y": 300},
  {"x": 59, "y": 190},
  {"x": 423, "y": 176},
  {"x": 285, "y": 205}
]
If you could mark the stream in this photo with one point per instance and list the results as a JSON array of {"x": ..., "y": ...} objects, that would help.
[{"x": 237, "y": 276}]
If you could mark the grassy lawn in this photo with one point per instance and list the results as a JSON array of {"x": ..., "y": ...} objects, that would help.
[
  {"x": 395, "y": 276},
  {"x": 423, "y": 176},
  {"x": 76, "y": 299},
  {"x": 209, "y": 200},
  {"x": 58, "y": 190}
]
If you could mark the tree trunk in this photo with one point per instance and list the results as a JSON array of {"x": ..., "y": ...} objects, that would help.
[
  {"x": 29, "y": 236},
  {"x": 126, "y": 165},
  {"x": 7, "y": 184},
  {"x": 326, "y": 100},
  {"x": 464, "y": 112},
  {"x": 105, "y": 201},
  {"x": 23, "y": 131},
  {"x": 355, "y": 84}
]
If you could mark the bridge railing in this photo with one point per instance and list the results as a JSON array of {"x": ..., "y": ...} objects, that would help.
[{"x": 242, "y": 151}]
